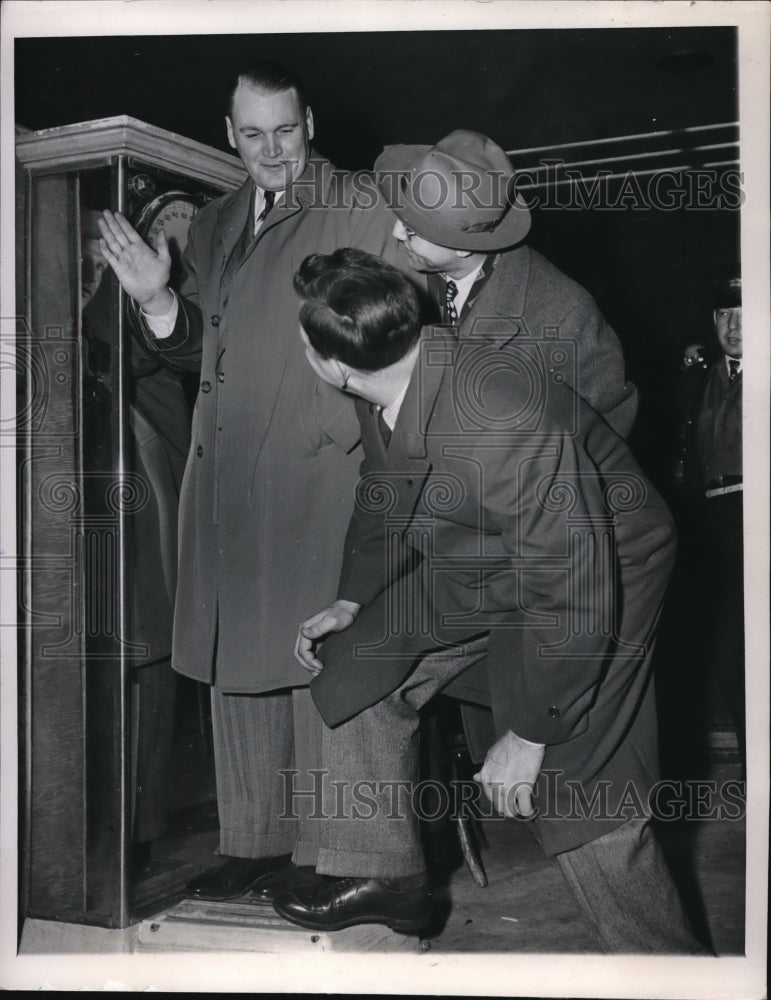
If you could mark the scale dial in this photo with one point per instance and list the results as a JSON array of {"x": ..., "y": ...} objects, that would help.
[{"x": 172, "y": 213}]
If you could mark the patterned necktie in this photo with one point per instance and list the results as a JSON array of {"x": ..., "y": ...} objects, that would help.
[
  {"x": 449, "y": 303},
  {"x": 733, "y": 369}
]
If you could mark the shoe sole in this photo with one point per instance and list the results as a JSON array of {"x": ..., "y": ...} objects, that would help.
[
  {"x": 399, "y": 926},
  {"x": 209, "y": 898},
  {"x": 216, "y": 899}
]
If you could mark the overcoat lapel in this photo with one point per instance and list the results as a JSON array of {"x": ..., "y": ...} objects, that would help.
[
  {"x": 502, "y": 299},
  {"x": 407, "y": 455},
  {"x": 231, "y": 222},
  {"x": 276, "y": 350},
  {"x": 232, "y": 219},
  {"x": 283, "y": 210}
]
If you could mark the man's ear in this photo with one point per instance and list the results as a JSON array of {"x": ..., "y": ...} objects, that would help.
[
  {"x": 463, "y": 253},
  {"x": 231, "y": 134},
  {"x": 309, "y": 123},
  {"x": 344, "y": 371}
]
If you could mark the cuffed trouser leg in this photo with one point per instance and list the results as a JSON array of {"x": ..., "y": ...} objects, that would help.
[
  {"x": 623, "y": 886},
  {"x": 265, "y": 745},
  {"x": 371, "y": 788},
  {"x": 253, "y": 743}
]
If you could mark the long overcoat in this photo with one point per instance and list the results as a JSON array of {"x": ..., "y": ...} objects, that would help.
[
  {"x": 268, "y": 487},
  {"x": 531, "y": 521}
]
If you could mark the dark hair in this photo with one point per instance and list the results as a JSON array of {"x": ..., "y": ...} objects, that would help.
[
  {"x": 269, "y": 77},
  {"x": 358, "y": 309}
]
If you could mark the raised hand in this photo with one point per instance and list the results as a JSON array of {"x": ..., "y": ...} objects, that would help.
[
  {"x": 142, "y": 271},
  {"x": 335, "y": 618}
]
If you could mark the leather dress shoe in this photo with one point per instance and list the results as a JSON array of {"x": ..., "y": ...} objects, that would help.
[
  {"x": 269, "y": 887},
  {"x": 234, "y": 878},
  {"x": 330, "y": 904}
]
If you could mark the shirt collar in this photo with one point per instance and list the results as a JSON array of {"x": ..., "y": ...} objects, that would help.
[
  {"x": 391, "y": 412},
  {"x": 259, "y": 200},
  {"x": 463, "y": 285}
]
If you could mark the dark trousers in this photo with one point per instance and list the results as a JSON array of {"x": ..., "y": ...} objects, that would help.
[
  {"x": 265, "y": 747},
  {"x": 726, "y": 586},
  {"x": 153, "y": 695}
]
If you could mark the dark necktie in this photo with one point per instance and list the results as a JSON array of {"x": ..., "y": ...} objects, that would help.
[
  {"x": 244, "y": 240},
  {"x": 451, "y": 313},
  {"x": 733, "y": 369},
  {"x": 270, "y": 197},
  {"x": 382, "y": 426}
]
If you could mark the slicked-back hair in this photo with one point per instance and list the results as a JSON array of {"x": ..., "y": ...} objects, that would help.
[
  {"x": 358, "y": 309},
  {"x": 269, "y": 77}
]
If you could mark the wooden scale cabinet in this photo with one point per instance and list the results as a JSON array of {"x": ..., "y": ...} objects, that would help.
[{"x": 96, "y": 514}]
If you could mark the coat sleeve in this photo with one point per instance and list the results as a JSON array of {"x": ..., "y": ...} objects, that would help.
[
  {"x": 182, "y": 349},
  {"x": 600, "y": 377}
]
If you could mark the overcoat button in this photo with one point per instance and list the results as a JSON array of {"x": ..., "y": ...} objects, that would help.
[
  {"x": 199, "y": 451},
  {"x": 220, "y": 376},
  {"x": 554, "y": 712},
  {"x": 205, "y": 386},
  {"x": 215, "y": 320}
]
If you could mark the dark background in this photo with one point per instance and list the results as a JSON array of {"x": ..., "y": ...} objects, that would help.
[
  {"x": 523, "y": 88},
  {"x": 650, "y": 270}
]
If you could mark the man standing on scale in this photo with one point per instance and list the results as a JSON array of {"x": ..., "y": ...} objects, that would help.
[{"x": 273, "y": 462}]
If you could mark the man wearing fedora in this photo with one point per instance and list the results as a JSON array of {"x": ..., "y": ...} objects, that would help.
[
  {"x": 463, "y": 225},
  {"x": 500, "y": 523}
]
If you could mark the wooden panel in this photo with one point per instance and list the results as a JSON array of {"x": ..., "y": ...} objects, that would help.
[
  {"x": 52, "y": 499},
  {"x": 73, "y": 511},
  {"x": 75, "y": 146}
]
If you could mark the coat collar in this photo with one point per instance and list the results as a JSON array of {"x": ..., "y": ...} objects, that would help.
[
  {"x": 435, "y": 359},
  {"x": 505, "y": 290}
]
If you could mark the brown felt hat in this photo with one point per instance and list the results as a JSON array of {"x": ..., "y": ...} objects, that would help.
[{"x": 459, "y": 193}]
